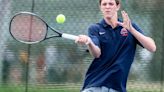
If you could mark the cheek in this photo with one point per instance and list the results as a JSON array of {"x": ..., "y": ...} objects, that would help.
[{"x": 114, "y": 8}]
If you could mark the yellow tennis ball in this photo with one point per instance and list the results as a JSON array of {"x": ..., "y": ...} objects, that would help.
[{"x": 60, "y": 18}]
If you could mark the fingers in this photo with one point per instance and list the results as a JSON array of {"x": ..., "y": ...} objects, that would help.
[
  {"x": 126, "y": 20},
  {"x": 125, "y": 16},
  {"x": 83, "y": 40}
]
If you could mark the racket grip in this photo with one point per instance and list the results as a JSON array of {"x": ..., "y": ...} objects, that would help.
[{"x": 69, "y": 36}]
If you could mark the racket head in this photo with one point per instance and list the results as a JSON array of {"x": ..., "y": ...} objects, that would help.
[{"x": 27, "y": 27}]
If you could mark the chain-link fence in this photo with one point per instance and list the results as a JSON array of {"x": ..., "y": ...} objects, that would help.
[{"x": 58, "y": 65}]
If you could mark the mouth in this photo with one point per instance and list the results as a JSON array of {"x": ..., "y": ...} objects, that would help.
[{"x": 107, "y": 12}]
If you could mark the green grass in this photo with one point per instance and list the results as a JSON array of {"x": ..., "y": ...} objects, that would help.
[
  {"x": 39, "y": 88},
  {"x": 134, "y": 87}
]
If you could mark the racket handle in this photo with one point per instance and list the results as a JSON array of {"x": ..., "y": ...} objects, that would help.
[{"x": 69, "y": 36}]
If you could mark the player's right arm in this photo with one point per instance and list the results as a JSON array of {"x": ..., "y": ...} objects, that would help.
[{"x": 93, "y": 49}]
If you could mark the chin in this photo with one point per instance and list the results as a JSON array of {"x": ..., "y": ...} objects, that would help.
[{"x": 108, "y": 17}]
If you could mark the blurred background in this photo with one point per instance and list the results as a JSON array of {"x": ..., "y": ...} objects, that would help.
[{"x": 59, "y": 65}]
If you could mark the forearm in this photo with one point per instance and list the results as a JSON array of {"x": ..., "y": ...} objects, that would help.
[
  {"x": 147, "y": 42},
  {"x": 94, "y": 50}
]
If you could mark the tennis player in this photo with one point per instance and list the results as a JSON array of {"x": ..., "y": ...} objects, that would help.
[{"x": 112, "y": 42}]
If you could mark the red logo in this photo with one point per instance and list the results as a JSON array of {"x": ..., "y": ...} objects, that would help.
[{"x": 124, "y": 32}]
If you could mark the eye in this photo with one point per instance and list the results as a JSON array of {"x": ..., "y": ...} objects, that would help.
[
  {"x": 104, "y": 4},
  {"x": 111, "y": 4}
]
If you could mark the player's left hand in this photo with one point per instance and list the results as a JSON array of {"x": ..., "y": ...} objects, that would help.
[{"x": 126, "y": 21}]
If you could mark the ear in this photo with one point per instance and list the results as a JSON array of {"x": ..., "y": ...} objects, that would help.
[{"x": 118, "y": 7}]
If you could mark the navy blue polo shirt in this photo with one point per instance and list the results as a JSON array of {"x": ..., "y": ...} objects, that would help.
[{"x": 118, "y": 48}]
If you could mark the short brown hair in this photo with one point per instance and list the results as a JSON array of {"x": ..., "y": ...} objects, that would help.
[{"x": 117, "y": 2}]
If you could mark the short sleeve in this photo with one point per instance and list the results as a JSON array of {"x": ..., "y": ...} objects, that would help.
[{"x": 93, "y": 34}]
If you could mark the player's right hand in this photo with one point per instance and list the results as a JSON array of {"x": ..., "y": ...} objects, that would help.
[{"x": 83, "y": 40}]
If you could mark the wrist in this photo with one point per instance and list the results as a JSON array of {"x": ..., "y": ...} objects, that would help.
[
  {"x": 88, "y": 41},
  {"x": 131, "y": 28}
]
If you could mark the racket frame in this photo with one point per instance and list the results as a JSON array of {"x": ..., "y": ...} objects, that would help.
[{"x": 64, "y": 35}]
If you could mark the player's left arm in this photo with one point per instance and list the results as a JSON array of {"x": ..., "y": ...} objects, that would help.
[{"x": 146, "y": 42}]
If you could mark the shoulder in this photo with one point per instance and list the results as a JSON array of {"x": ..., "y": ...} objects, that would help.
[
  {"x": 94, "y": 27},
  {"x": 137, "y": 27}
]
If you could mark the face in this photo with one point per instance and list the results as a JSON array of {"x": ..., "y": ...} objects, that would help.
[{"x": 109, "y": 8}]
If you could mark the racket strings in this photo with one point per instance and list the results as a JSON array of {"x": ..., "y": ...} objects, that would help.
[{"x": 28, "y": 28}]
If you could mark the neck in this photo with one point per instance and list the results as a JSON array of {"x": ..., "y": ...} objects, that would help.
[{"x": 112, "y": 21}]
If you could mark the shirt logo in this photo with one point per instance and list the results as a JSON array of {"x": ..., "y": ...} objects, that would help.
[
  {"x": 124, "y": 32},
  {"x": 101, "y": 33}
]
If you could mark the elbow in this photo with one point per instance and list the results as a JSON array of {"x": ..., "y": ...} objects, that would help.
[
  {"x": 153, "y": 48},
  {"x": 97, "y": 55}
]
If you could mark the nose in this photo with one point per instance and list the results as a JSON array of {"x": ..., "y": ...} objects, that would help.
[{"x": 108, "y": 6}]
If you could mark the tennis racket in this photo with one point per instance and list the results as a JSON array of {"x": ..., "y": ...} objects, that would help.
[{"x": 29, "y": 28}]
